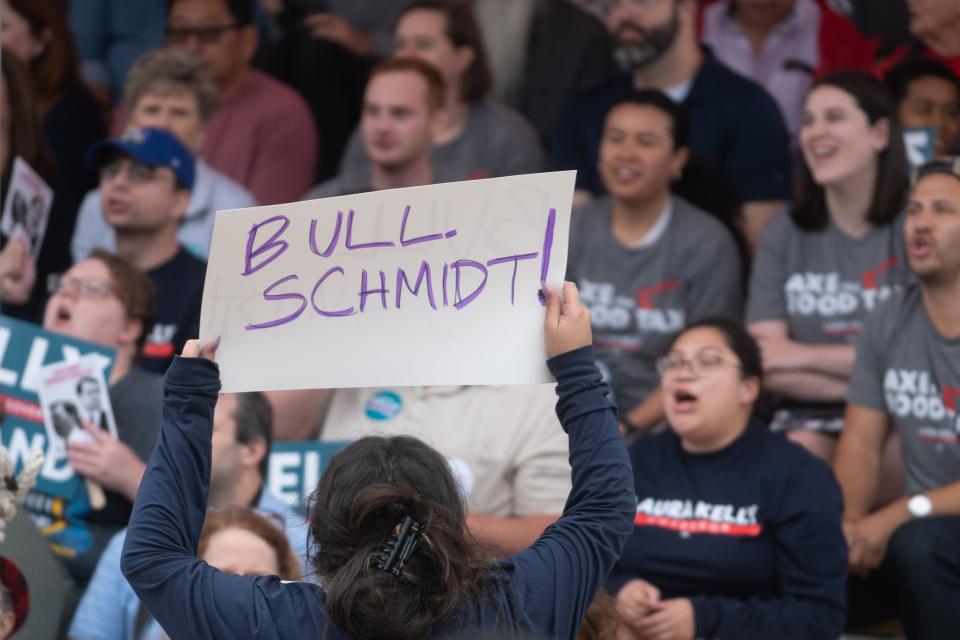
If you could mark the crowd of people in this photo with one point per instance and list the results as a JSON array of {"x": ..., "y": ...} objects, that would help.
[{"x": 770, "y": 263}]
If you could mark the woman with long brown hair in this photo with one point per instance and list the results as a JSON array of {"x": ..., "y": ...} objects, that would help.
[
  {"x": 392, "y": 551},
  {"x": 822, "y": 268}
]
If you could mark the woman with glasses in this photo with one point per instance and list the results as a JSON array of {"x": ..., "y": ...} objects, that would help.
[
  {"x": 107, "y": 301},
  {"x": 737, "y": 532},
  {"x": 647, "y": 261}
]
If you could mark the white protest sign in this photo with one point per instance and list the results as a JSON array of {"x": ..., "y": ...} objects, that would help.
[{"x": 432, "y": 285}]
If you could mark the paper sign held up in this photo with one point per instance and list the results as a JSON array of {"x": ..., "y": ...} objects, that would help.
[{"x": 432, "y": 285}]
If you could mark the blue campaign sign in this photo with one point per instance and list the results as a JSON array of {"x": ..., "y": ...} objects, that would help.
[
  {"x": 294, "y": 468},
  {"x": 24, "y": 349}
]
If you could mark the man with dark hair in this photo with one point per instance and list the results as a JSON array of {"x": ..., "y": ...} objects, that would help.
[
  {"x": 907, "y": 377},
  {"x": 261, "y": 134},
  {"x": 146, "y": 177},
  {"x": 242, "y": 435},
  {"x": 927, "y": 94},
  {"x": 736, "y": 127},
  {"x": 88, "y": 392}
]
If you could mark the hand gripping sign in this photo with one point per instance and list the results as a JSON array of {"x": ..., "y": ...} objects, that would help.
[{"x": 419, "y": 286}]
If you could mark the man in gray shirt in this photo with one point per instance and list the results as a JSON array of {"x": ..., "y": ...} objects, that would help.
[
  {"x": 685, "y": 269},
  {"x": 907, "y": 377},
  {"x": 401, "y": 110}
]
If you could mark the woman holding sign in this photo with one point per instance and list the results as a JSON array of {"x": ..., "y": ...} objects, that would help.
[
  {"x": 392, "y": 550},
  {"x": 820, "y": 269}
]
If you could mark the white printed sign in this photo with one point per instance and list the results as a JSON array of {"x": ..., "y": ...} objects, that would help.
[
  {"x": 26, "y": 208},
  {"x": 74, "y": 393},
  {"x": 420, "y": 286}
]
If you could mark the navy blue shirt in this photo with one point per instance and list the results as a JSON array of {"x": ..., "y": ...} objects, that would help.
[
  {"x": 544, "y": 589},
  {"x": 736, "y": 128},
  {"x": 179, "y": 283},
  {"x": 751, "y": 534}
]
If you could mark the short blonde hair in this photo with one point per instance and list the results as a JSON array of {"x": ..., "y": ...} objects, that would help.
[{"x": 166, "y": 71}]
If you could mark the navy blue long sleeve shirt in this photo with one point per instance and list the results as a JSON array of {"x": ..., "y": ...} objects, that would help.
[
  {"x": 543, "y": 590},
  {"x": 751, "y": 534}
]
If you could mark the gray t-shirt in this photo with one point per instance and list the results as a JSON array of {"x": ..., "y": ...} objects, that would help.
[
  {"x": 137, "y": 399},
  {"x": 640, "y": 297},
  {"x": 496, "y": 141},
  {"x": 905, "y": 368},
  {"x": 823, "y": 284}
]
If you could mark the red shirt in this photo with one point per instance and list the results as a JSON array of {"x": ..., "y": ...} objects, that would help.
[
  {"x": 915, "y": 48},
  {"x": 841, "y": 45}
]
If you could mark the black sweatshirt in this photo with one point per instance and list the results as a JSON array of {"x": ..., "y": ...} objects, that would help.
[
  {"x": 751, "y": 534},
  {"x": 544, "y": 589}
]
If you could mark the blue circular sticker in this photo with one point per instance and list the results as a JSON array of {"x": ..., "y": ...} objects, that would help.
[{"x": 383, "y": 405}]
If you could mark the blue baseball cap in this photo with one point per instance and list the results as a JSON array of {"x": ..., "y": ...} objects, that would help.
[{"x": 153, "y": 147}]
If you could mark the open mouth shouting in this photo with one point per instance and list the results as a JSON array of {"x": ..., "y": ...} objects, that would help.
[{"x": 684, "y": 400}]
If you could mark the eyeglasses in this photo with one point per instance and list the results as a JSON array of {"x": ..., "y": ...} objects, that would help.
[
  {"x": 204, "y": 35},
  {"x": 83, "y": 287},
  {"x": 137, "y": 172},
  {"x": 702, "y": 362}
]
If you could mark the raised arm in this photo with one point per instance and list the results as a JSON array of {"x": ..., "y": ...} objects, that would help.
[
  {"x": 186, "y": 596},
  {"x": 559, "y": 575}
]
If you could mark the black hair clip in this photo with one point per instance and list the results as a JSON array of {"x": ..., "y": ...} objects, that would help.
[{"x": 398, "y": 547}]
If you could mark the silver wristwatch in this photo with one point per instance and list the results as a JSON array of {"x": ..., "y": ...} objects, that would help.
[{"x": 919, "y": 506}]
